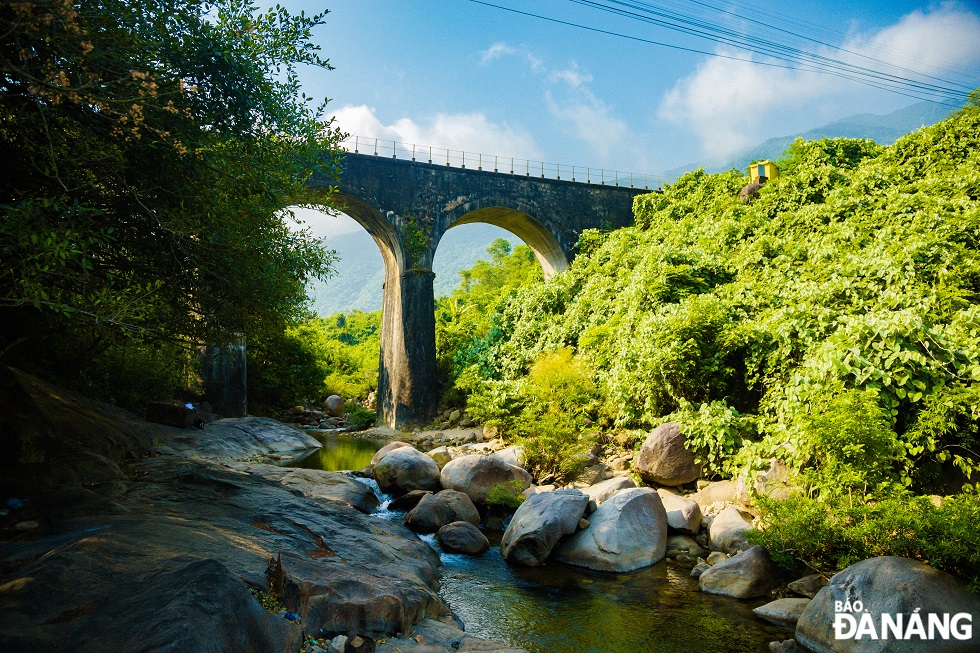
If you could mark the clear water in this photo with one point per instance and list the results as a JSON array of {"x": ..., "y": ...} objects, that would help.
[
  {"x": 561, "y": 609},
  {"x": 340, "y": 452}
]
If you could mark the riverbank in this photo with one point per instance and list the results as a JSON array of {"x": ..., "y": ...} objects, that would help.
[{"x": 141, "y": 537}]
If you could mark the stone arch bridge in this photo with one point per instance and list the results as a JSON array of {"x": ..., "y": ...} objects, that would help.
[{"x": 408, "y": 205}]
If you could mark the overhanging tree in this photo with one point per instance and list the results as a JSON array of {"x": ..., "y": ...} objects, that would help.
[{"x": 149, "y": 147}]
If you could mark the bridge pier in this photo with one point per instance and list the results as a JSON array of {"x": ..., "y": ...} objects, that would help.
[{"x": 407, "y": 380}]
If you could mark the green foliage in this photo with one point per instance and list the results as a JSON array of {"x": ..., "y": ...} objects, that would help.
[
  {"x": 553, "y": 444},
  {"x": 314, "y": 359},
  {"x": 464, "y": 332},
  {"x": 416, "y": 241},
  {"x": 716, "y": 432},
  {"x": 360, "y": 417},
  {"x": 843, "y": 298},
  {"x": 831, "y": 324},
  {"x": 829, "y": 536},
  {"x": 157, "y": 144},
  {"x": 547, "y": 411},
  {"x": 506, "y": 495},
  {"x": 947, "y": 430},
  {"x": 846, "y": 444}
]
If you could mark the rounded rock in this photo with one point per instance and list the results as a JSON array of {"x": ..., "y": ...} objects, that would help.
[
  {"x": 335, "y": 405},
  {"x": 404, "y": 469},
  {"x": 665, "y": 459},
  {"x": 463, "y": 537},
  {"x": 628, "y": 531},
  {"x": 436, "y": 510},
  {"x": 476, "y": 476}
]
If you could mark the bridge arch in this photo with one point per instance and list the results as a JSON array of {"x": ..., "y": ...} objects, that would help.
[{"x": 516, "y": 218}]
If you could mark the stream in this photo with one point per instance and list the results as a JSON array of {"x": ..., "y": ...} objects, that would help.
[{"x": 557, "y": 608}]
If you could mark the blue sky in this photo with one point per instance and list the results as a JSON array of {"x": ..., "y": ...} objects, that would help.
[{"x": 453, "y": 73}]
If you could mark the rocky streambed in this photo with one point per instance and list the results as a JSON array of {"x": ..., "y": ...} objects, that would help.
[
  {"x": 140, "y": 537},
  {"x": 128, "y": 536}
]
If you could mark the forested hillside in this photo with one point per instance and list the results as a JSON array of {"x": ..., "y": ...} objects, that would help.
[{"x": 830, "y": 324}]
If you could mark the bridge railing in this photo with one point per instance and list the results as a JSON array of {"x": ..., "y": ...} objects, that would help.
[{"x": 506, "y": 165}]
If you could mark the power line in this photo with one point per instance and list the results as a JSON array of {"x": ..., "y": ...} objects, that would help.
[
  {"x": 802, "y": 60},
  {"x": 713, "y": 32},
  {"x": 652, "y": 8}
]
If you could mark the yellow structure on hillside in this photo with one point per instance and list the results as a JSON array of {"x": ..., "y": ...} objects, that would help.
[{"x": 763, "y": 171}]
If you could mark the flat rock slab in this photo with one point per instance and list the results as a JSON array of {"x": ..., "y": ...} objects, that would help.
[
  {"x": 317, "y": 484},
  {"x": 240, "y": 439},
  {"x": 782, "y": 612},
  {"x": 170, "y": 572}
]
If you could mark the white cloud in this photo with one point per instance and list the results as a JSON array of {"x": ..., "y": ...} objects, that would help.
[
  {"x": 496, "y": 51},
  {"x": 728, "y": 104},
  {"x": 590, "y": 119},
  {"x": 571, "y": 76},
  {"x": 471, "y": 132},
  {"x": 571, "y": 101}
]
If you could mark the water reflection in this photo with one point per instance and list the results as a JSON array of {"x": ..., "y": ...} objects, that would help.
[
  {"x": 339, "y": 452},
  {"x": 559, "y": 609}
]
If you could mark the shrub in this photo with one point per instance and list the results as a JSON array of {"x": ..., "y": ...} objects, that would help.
[
  {"x": 506, "y": 495},
  {"x": 804, "y": 532},
  {"x": 359, "y": 416}
]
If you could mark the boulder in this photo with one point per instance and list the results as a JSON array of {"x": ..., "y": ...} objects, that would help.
[
  {"x": 334, "y": 404},
  {"x": 404, "y": 469},
  {"x": 383, "y": 451},
  {"x": 890, "y": 586},
  {"x": 683, "y": 514},
  {"x": 719, "y": 491},
  {"x": 337, "y": 487},
  {"x": 664, "y": 459},
  {"x": 441, "y": 455},
  {"x": 463, "y": 537},
  {"x": 627, "y": 531},
  {"x": 685, "y": 543},
  {"x": 747, "y": 575},
  {"x": 436, "y": 510},
  {"x": 699, "y": 569},
  {"x": 511, "y": 455},
  {"x": 476, "y": 475},
  {"x": 592, "y": 475},
  {"x": 782, "y": 612},
  {"x": 602, "y": 491},
  {"x": 539, "y": 523},
  {"x": 408, "y": 500},
  {"x": 620, "y": 463},
  {"x": 727, "y": 532},
  {"x": 807, "y": 586}
]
